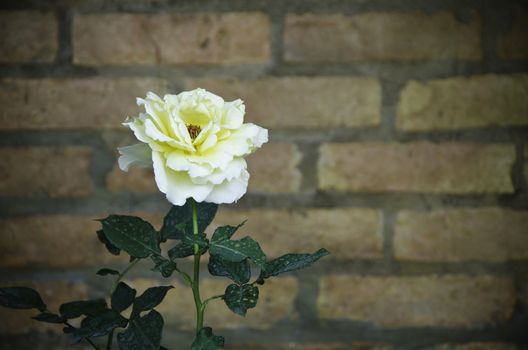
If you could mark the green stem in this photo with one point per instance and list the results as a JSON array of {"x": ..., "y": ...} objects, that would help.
[
  {"x": 206, "y": 301},
  {"x": 185, "y": 276},
  {"x": 122, "y": 274},
  {"x": 196, "y": 273}
]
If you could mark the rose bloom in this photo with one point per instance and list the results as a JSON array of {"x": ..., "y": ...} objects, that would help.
[{"x": 196, "y": 143}]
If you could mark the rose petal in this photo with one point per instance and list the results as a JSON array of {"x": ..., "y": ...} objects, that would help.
[
  {"x": 154, "y": 133},
  {"x": 179, "y": 161},
  {"x": 153, "y": 106},
  {"x": 160, "y": 175},
  {"x": 210, "y": 167},
  {"x": 139, "y": 154},
  {"x": 229, "y": 191},
  {"x": 177, "y": 185},
  {"x": 232, "y": 170},
  {"x": 233, "y": 114},
  {"x": 137, "y": 125}
]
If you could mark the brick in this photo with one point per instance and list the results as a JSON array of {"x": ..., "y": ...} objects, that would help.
[
  {"x": 28, "y": 37},
  {"x": 41, "y": 341},
  {"x": 171, "y": 39},
  {"x": 348, "y": 233},
  {"x": 53, "y": 293},
  {"x": 135, "y": 180},
  {"x": 523, "y": 294},
  {"x": 274, "y": 169},
  {"x": 448, "y": 301},
  {"x": 463, "y": 102},
  {"x": 525, "y": 167},
  {"x": 476, "y": 346},
  {"x": 276, "y": 303},
  {"x": 289, "y": 102},
  {"x": 376, "y": 36},
  {"x": 448, "y": 167},
  {"x": 489, "y": 234},
  {"x": 50, "y": 241},
  {"x": 55, "y": 172},
  {"x": 316, "y": 346},
  {"x": 91, "y": 103},
  {"x": 512, "y": 44}
]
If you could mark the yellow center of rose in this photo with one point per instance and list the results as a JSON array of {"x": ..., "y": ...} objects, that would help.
[{"x": 194, "y": 131}]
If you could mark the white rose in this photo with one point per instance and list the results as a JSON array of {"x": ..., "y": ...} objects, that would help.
[{"x": 196, "y": 143}]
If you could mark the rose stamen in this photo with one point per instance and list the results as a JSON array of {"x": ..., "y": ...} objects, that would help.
[{"x": 194, "y": 131}]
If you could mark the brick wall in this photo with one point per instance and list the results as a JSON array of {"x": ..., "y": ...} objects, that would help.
[{"x": 399, "y": 141}]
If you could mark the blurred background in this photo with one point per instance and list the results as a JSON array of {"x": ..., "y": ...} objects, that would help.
[{"x": 399, "y": 141}]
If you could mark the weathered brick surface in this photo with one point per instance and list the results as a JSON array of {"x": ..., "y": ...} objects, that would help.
[
  {"x": 274, "y": 169},
  {"x": 56, "y": 172},
  {"x": 416, "y": 167},
  {"x": 317, "y": 346},
  {"x": 135, "y": 180},
  {"x": 53, "y": 292},
  {"x": 91, "y": 103},
  {"x": 525, "y": 167},
  {"x": 415, "y": 111},
  {"x": 460, "y": 102},
  {"x": 523, "y": 298},
  {"x": 346, "y": 233},
  {"x": 41, "y": 341},
  {"x": 275, "y": 303},
  {"x": 55, "y": 240},
  {"x": 448, "y": 301},
  {"x": 380, "y": 36},
  {"x": 476, "y": 346},
  {"x": 288, "y": 102},
  {"x": 489, "y": 234},
  {"x": 28, "y": 37},
  {"x": 513, "y": 44},
  {"x": 171, "y": 38}
]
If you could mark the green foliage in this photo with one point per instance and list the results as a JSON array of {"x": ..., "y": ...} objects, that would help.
[
  {"x": 143, "y": 333},
  {"x": 186, "y": 247},
  {"x": 106, "y": 272},
  {"x": 79, "y": 308},
  {"x": 290, "y": 262},
  {"x": 21, "y": 298},
  {"x": 143, "y": 329},
  {"x": 238, "y": 272},
  {"x": 225, "y": 232},
  {"x": 222, "y": 246},
  {"x": 181, "y": 250},
  {"x": 206, "y": 340},
  {"x": 131, "y": 234},
  {"x": 109, "y": 246},
  {"x": 99, "y": 325},
  {"x": 241, "y": 298},
  {"x": 179, "y": 219},
  {"x": 238, "y": 250},
  {"x": 163, "y": 265},
  {"x": 151, "y": 298},
  {"x": 196, "y": 240},
  {"x": 122, "y": 297}
]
